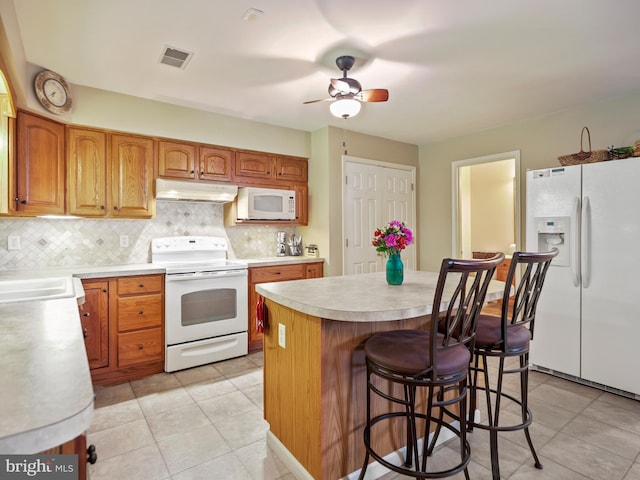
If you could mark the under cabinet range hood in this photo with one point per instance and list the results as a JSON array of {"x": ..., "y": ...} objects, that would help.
[{"x": 195, "y": 191}]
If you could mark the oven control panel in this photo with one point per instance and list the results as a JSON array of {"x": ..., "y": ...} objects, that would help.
[
  {"x": 189, "y": 244},
  {"x": 189, "y": 250}
]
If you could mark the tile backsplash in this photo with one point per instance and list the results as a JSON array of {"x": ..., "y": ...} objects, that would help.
[{"x": 77, "y": 242}]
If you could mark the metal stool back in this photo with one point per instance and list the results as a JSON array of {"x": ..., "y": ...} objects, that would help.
[{"x": 504, "y": 337}]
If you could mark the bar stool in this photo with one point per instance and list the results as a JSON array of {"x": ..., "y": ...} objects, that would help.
[
  {"x": 504, "y": 337},
  {"x": 424, "y": 373}
]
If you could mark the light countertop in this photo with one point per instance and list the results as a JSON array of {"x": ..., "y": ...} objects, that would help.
[
  {"x": 361, "y": 298},
  {"x": 99, "y": 271},
  {"x": 272, "y": 261},
  {"x": 93, "y": 271},
  {"x": 46, "y": 396}
]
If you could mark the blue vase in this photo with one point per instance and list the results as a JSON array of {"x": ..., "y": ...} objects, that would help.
[{"x": 395, "y": 269}]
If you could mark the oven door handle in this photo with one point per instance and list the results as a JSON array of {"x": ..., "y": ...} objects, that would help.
[{"x": 177, "y": 277}]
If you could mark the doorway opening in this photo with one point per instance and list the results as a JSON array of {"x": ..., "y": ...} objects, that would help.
[{"x": 486, "y": 205}]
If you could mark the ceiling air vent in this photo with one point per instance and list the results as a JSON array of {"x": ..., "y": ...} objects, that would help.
[{"x": 175, "y": 57}]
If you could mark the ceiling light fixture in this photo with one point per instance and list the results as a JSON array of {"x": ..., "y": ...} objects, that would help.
[{"x": 345, "y": 107}]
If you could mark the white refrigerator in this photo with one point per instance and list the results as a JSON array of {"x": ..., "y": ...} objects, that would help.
[{"x": 588, "y": 317}]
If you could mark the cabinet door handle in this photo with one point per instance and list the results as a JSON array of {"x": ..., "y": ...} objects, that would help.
[
  {"x": 85, "y": 332},
  {"x": 24, "y": 202},
  {"x": 102, "y": 207},
  {"x": 193, "y": 171},
  {"x": 140, "y": 312},
  {"x": 141, "y": 285},
  {"x": 92, "y": 456},
  {"x": 86, "y": 314},
  {"x": 115, "y": 208},
  {"x": 104, "y": 290},
  {"x": 140, "y": 347}
]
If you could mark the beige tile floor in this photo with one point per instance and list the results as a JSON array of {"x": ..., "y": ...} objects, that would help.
[{"x": 206, "y": 423}]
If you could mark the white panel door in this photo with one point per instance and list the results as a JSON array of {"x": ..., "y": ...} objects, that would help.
[
  {"x": 374, "y": 195},
  {"x": 361, "y": 217},
  {"x": 611, "y": 262},
  {"x": 398, "y": 201}
]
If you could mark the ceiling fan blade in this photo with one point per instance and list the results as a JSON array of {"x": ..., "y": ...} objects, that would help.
[
  {"x": 340, "y": 85},
  {"x": 374, "y": 95},
  {"x": 319, "y": 100}
]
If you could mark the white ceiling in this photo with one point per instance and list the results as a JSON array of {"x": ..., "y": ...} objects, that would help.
[{"x": 452, "y": 67}]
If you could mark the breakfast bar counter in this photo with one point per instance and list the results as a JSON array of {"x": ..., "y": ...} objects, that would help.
[{"x": 314, "y": 368}]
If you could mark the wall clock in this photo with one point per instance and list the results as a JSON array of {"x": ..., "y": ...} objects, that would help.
[{"x": 52, "y": 92}]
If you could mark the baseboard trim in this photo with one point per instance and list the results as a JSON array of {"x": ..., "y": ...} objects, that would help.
[
  {"x": 374, "y": 470},
  {"x": 292, "y": 463}
]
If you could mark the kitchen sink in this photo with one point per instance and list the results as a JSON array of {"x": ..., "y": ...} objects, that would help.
[{"x": 31, "y": 289}]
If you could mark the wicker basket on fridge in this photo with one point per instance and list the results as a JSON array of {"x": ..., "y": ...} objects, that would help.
[{"x": 589, "y": 156}]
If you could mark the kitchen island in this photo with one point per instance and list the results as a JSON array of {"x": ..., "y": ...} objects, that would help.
[{"x": 314, "y": 367}]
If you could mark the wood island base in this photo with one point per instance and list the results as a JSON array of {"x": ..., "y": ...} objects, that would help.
[{"x": 315, "y": 388}]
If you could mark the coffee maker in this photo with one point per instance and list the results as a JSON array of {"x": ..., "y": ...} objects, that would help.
[{"x": 281, "y": 246}]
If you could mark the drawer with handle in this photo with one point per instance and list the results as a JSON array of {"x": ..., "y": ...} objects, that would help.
[
  {"x": 276, "y": 273},
  {"x": 139, "y": 312},
  {"x": 140, "y": 347},
  {"x": 140, "y": 284}
]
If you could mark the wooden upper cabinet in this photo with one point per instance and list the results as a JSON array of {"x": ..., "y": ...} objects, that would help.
[
  {"x": 253, "y": 165},
  {"x": 291, "y": 169},
  {"x": 215, "y": 164},
  {"x": 176, "y": 160},
  {"x": 131, "y": 165},
  {"x": 271, "y": 170},
  {"x": 87, "y": 172},
  {"x": 40, "y": 166},
  {"x": 302, "y": 204},
  {"x": 191, "y": 162}
]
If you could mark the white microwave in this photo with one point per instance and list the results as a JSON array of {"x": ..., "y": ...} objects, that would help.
[{"x": 266, "y": 204}]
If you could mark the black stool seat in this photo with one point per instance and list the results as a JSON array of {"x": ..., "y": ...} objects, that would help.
[
  {"x": 406, "y": 352},
  {"x": 489, "y": 334}
]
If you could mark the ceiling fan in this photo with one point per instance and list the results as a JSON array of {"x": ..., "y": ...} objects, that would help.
[{"x": 346, "y": 93}]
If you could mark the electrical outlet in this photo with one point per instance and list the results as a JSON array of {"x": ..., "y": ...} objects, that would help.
[
  {"x": 13, "y": 242},
  {"x": 124, "y": 240},
  {"x": 282, "y": 336}
]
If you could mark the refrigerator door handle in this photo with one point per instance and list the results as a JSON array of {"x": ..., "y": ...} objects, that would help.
[
  {"x": 575, "y": 260},
  {"x": 586, "y": 242}
]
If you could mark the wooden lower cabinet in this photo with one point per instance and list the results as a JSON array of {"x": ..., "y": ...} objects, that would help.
[
  {"x": 77, "y": 446},
  {"x": 275, "y": 273},
  {"x": 131, "y": 310},
  {"x": 139, "y": 347},
  {"x": 94, "y": 316}
]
